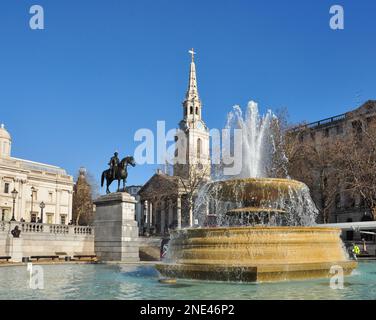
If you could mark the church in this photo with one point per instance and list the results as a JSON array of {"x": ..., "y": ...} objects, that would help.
[
  {"x": 28, "y": 188},
  {"x": 167, "y": 201}
]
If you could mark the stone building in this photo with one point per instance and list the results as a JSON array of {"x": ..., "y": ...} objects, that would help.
[
  {"x": 35, "y": 183},
  {"x": 167, "y": 200},
  {"x": 322, "y": 135}
]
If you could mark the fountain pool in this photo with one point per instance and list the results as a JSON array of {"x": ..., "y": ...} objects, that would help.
[
  {"x": 98, "y": 282},
  {"x": 266, "y": 226}
]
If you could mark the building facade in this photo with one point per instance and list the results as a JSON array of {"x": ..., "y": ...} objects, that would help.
[
  {"x": 36, "y": 184},
  {"x": 323, "y": 134}
]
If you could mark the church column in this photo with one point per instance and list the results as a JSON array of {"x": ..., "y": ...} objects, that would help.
[
  {"x": 163, "y": 216},
  {"x": 170, "y": 213},
  {"x": 154, "y": 217},
  {"x": 191, "y": 216},
  {"x": 149, "y": 213},
  {"x": 178, "y": 208},
  {"x": 145, "y": 212}
]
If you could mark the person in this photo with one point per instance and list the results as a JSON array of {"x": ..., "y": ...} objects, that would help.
[
  {"x": 114, "y": 163},
  {"x": 355, "y": 251},
  {"x": 164, "y": 247},
  {"x": 364, "y": 245}
]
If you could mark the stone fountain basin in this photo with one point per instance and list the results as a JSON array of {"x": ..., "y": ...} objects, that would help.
[
  {"x": 259, "y": 254},
  {"x": 255, "y": 190}
]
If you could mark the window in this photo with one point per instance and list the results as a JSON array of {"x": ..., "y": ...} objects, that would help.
[
  {"x": 357, "y": 127},
  {"x": 5, "y": 215},
  {"x": 199, "y": 147},
  {"x": 63, "y": 218},
  {"x": 338, "y": 201},
  {"x": 33, "y": 217},
  {"x": 6, "y": 187},
  {"x": 191, "y": 110},
  {"x": 50, "y": 217},
  {"x": 50, "y": 197},
  {"x": 197, "y": 110}
]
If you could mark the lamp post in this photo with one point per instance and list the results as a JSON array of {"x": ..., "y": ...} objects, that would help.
[
  {"x": 41, "y": 206},
  {"x": 31, "y": 209},
  {"x": 14, "y": 196}
]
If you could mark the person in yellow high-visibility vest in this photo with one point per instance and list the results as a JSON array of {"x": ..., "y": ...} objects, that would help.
[{"x": 355, "y": 250}]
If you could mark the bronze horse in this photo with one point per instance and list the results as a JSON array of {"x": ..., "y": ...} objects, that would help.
[{"x": 122, "y": 174}]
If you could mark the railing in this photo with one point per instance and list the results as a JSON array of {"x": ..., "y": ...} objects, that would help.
[
  {"x": 58, "y": 229},
  {"x": 83, "y": 230},
  {"x": 319, "y": 123},
  {"x": 31, "y": 227}
]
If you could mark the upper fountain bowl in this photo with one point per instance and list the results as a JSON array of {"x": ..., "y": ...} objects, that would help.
[{"x": 255, "y": 191}]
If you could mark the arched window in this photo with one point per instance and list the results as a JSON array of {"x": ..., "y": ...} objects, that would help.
[
  {"x": 191, "y": 110},
  {"x": 199, "y": 147},
  {"x": 196, "y": 110}
]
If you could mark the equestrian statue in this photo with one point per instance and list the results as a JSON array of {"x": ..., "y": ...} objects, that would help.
[{"x": 118, "y": 171}]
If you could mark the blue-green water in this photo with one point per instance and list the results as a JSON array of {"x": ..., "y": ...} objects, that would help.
[{"x": 141, "y": 282}]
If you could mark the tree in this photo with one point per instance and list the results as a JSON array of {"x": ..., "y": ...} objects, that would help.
[
  {"x": 84, "y": 189},
  {"x": 358, "y": 165},
  {"x": 318, "y": 166},
  {"x": 198, "y": 175}
]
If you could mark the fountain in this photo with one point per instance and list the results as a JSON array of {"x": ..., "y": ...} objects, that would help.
[{"x": 266, "y": 226}]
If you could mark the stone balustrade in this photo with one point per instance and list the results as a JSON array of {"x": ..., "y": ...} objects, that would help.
[
  {"x": 38, "y": 239},
  {"x": 27, "y": 227}
]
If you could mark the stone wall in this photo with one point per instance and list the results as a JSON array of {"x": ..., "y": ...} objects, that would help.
[{"x": 44, "y": 239}]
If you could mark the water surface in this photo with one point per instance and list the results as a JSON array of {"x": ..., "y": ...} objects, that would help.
[{"x": 141, "y": 282}]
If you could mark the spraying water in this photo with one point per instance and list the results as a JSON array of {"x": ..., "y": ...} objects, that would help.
[
  {"x": 257, "y": 139},
  {"x": 258, "y": 154}
]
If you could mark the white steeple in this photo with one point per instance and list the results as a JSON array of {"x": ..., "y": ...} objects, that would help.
[
  {"x": 192, "y": 104},
  {"x": 194, "y": 134}
]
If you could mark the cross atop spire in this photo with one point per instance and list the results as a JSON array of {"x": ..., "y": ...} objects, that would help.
[{"x": 192, "y": 52}]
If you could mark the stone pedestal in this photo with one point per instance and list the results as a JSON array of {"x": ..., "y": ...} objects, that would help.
[
  {"x": 116, "y": 231},
  {"x": 14, "y": 248}
]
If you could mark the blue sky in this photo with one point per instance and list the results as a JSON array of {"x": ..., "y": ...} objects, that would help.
[{"x": 73, "y": 93}]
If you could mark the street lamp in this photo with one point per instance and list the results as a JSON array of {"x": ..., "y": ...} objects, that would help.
[
  {"x": 32, "y": 198},
  {"x": 14, "y": 196},
  {"x": 42, "y": 205}
]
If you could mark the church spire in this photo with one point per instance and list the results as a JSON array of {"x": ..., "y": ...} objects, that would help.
[
  {"x": 192, "y": 103},
  {"x": 192, "y": 92}
]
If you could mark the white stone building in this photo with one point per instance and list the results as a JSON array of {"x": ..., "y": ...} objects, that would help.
[
  {"x": 164, "y": 200},
  {"x": 35, "y": 183}
]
